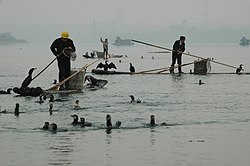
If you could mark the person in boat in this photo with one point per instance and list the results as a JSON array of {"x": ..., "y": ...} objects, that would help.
[
  {"x": 106, "y": 66},
  {"x": 28, "y": 79},
  {"x": 105, "y": 47},
  {"x": 6, "y": 92},
  {"x": 57, "y": 47},
  {"x": 132, "y": 68},
  {"x": 178, "y": 49}
]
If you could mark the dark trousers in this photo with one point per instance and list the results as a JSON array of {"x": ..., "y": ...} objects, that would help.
[
  {"x": 64, "y": 71},
  {"x": 174, "y": 58},
  {"x": 105, "y": 52}
]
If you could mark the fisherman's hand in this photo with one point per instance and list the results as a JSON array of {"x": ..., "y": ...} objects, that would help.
[{"x": 179, "y": 52}]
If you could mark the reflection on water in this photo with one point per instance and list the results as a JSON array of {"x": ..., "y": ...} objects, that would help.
[{"x": 60, "y": 147}]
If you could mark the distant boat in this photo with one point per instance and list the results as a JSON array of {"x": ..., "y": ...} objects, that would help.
[
  {"x": 7, "y": 38},
  {"x": 244, "y": 41},
  {"x": 123, "y": 42}
]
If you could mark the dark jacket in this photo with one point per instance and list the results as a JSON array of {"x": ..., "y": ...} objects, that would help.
[
  {"x": 58, "y": 45},
  {"x": 178, "y": 47}
]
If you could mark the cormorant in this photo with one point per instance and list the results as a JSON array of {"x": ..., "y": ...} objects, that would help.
[
  {"x": 238, "y": 70},
  {"x": 50, "y": 109},
  {"x": 5, "y": 92},
  {"x": 133, "y": 99},
  {"x": 152, "y": 122},
  {"x": 46, "y": 126},
  {"x": 17, "y": 109},
  {"x": 53, "y": 127},
  {"x": 77, "y": 107},
  {"x": 28, "y": 79},
  {"x": 200, "y": 82},
  {"x": 106, "y": 66},
  {"x": 132, "y": 68},
  {"x": 75, "y": 119},
  {"x": 83, "y": 123},
  {"x": 109, "y": 123}
]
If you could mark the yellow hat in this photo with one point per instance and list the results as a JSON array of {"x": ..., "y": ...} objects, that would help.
[{"x": 65, "y": 35}]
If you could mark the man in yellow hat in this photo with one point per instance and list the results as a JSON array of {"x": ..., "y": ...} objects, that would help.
[{"x": 63, "y": 60}]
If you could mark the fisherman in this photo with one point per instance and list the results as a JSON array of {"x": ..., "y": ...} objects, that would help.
[
  {"x": 105, "y": 47},
  {"x": 63, "y": 60},
  {"x": 178, "y": 49}
]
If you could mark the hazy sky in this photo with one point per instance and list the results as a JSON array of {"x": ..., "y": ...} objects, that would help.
[{"x": 124, "y": 11}]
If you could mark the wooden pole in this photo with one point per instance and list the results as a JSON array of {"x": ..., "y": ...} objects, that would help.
[{"x": 152, "y": 45}]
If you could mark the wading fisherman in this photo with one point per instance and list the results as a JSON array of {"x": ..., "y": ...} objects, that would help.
[
  {"x": 63, "y": 60},
  {"x": 178, "y": 49}
]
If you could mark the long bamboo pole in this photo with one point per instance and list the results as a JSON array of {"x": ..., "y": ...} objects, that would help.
[{"x": 152, "y": 45}]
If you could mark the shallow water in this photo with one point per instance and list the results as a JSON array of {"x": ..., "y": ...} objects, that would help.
[{"x": 208, "y": 124}]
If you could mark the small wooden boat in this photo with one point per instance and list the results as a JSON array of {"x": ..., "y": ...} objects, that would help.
[{"x": 98, "y": 71}]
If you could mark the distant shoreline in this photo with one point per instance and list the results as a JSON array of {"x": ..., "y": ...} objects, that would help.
[{"x": 7, "y": 38}]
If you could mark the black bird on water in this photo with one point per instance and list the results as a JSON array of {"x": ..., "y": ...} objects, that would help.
[
  {"x": 238, "y": 70},
  {"x": 152, "y": 122},
  {"x": 133, "y": 99},
  {"x": 17, "y": 109},
  {"x": 106, "y": 66},
  {"x": 28, "y": 79},
  {"x": 109, "y": 123},
  {"x": 5, "y": 92},
  {"x": 132, "y": 68}
]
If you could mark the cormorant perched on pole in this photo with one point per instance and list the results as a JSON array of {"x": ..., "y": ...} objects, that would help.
[
  {"x": 132, "y": 68},
  {"x": 28, "y": 79},
  {"x": 238, "y": 70},
  {"x": 106, "y": 66}
]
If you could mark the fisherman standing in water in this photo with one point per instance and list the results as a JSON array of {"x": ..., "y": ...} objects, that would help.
[
  {"x": 178, "y": 49},
  {"x": 63, "y": 60},
  {"x": 105, "y": 47}
]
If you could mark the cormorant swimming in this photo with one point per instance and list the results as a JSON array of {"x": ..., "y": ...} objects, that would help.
[
  {"x": 83, "y": 123},
  {"x": 53, "y": 127},
  {"x": 5, "y": 92},
  {"x": 109, "y": 123},
  {"x": 77, "y": 107},
  {"x": 50, "y": 109},
  {"x": 133, "y": 99},
  {"x": 28, "y": 79},
  {"x": 152, "y": 122},
  {"x": 75, "y": 119},
  {"x": 132, "y": 68},
  {"x": 46, "y": 126},
  {"x": 200, "y": 82}
]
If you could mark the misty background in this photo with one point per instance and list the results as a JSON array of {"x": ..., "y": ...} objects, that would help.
[{"x": 161, "y": 21}]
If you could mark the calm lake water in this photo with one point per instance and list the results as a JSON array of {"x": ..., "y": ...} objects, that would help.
[{"x": 209, "y": 124}]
